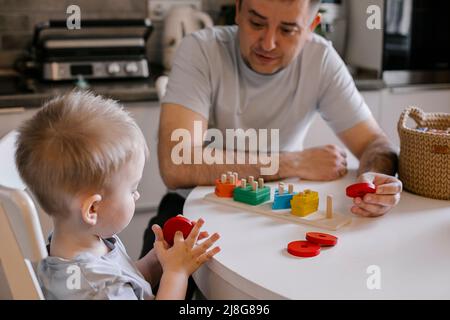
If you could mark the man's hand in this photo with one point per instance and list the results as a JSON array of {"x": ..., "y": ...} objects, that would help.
[
  {"x": 387, "y": 196},
  {"x": 324, "y": 163}
]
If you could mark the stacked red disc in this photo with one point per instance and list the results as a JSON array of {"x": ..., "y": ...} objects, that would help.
[
  {"x": 178, "y": 223},
  {"x": 303, "y": 249},
  {"x": 311, "y": 247},
  {"x": 321, "y": 239}
]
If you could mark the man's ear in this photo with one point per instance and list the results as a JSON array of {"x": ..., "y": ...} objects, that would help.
[
  {"x": 89, "y": 209},
  {"x": 238, "y": 3},
  {"x": 315, "y": 22}
]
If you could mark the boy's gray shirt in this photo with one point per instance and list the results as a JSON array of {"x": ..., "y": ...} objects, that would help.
[{"x": 88, "y": 277}]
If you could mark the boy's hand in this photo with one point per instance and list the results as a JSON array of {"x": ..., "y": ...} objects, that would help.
[
  {"x": 386, "y": 197},
  {"x": 185, "y": 256},
  {"x": 202, "y": 235}
]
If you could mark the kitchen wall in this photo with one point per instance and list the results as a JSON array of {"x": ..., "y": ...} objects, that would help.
[
  {"x": 212, "y": 7},
  {"x": 17, "y": 20}
]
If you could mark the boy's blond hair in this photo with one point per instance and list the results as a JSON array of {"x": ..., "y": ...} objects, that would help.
[{"x": 73, "y": 145}]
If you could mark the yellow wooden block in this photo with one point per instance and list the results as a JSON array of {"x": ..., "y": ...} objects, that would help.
[{"x": 305, "y": 203}]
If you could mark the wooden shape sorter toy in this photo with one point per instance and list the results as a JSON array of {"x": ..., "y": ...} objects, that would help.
[
  {"x": 253, "y": 194},
  {"x": 226, "y": 184},
  {"x": 305, "y": 203},
  {"x": 246, "y": 197},
  {"x": 281, "y": 198}
]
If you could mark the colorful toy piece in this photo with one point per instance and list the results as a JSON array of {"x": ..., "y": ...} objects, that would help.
[
  {"x": 311, "y": 247},
  {"x": 282, "y": 199},
  {"x": 322, "y": 239},
  {"x": 329, "y": 219},
  {"x": 360, "y": 189},
  {"x": 178, "y": 223},
  {"x": 305, "y": 203},
  {"x": 329, "y": 212},
  {"x": 226, "y": 184},
  {"x": 253, "y": 193},
  {"x": 303, "y": 249}
]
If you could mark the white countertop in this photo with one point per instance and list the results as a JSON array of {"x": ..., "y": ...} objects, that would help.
[{"x": 410, "y": 245}]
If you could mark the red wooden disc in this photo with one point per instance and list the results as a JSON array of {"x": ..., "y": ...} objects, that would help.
[
  {"x": 360, "y": 189},
  {"x": 322, "y": 239},
  {"x": 303, "y": 249},
  {"x": 175, "y": 224}
]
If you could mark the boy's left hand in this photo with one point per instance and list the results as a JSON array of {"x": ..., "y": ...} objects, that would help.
[
  {"x": 151, "y": 256},
  {"x": 387, "y": 196},
  {"x": 186, "y": 255},
  {"x": 159, "y": 234}
]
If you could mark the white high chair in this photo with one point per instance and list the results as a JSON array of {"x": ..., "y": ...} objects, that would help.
[
  {"x": 22, "y": 243},
  {"x": 161, "y": 86}
]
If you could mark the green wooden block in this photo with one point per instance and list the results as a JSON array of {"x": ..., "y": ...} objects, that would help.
[{"x": 248, "y": 196}]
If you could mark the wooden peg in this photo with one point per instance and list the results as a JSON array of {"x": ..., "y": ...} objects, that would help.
[
  {"x": 329, "y": 207},
  {"x": 255, "y": 186},
  {"x": 281, "y": 188},
  {"x": 251, "y": 179},
  {"x": 290, "y": 188},
  {"x": 260, "y": 183},
  {"x": 223, "y": 178},
  {"x": 244, "y": 183}
]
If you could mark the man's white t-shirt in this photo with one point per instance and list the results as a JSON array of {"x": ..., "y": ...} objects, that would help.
[{"x": 210, "y": 77}]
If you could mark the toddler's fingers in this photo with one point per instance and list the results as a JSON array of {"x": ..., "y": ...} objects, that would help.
[
  {"x": 203, "y": 235},
  {"x": 178, "y": 237},
  {"x": 158, "y": 232},
  {"x": 201, "y": 248},
  {"x": 159, "y": 246},
  {"x": 192, "y": 238},
  {"x": 208, "y": 255},
  {"x": 159, "y": 236}
]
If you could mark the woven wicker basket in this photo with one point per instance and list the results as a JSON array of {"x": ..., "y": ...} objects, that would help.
[{"x": 424, "y": 166}]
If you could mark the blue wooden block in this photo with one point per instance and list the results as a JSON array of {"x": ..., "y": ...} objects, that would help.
[{"x": 282, "y": 201}]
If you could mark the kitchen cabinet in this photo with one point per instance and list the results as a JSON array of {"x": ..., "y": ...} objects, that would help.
[
  {"x": 11, "y": 118},
  {"x": 386, "y": 105},
  {"x": 151, "y": 187},
  {"x": 146, "y": 114},
  {"x": 395, "y": 100}
]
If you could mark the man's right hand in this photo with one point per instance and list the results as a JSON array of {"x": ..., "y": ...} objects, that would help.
[{"x": 323, "y": 163}]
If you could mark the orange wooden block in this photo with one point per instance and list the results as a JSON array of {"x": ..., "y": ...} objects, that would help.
[{"x": 225, "y": 190}]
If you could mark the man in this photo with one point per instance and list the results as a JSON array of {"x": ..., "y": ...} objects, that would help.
[{"x": 271, "y": 72}]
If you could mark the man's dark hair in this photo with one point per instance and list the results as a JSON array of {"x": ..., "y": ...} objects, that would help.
[{"x": 314, "y": 5}]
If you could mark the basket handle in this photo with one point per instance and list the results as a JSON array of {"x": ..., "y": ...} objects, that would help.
[{"x": 415, "y": 113}]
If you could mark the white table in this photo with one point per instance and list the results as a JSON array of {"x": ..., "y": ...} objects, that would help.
[{"x": 410, "y": 246}]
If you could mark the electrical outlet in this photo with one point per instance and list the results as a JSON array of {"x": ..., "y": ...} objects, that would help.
[{"x": 159, "y": 8}]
